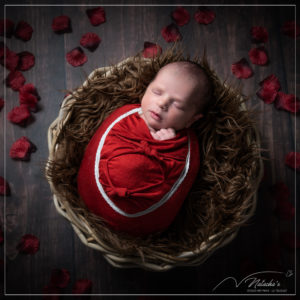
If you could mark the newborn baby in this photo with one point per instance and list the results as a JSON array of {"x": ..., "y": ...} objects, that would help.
[
  {"x": 142, "y": 161},
  {"x": 175, "y": 99}
]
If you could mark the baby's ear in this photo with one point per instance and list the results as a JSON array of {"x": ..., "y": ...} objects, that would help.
[{"x": 194, "y": 119}]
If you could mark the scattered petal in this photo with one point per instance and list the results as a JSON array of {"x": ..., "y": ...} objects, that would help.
[
  {"x": 29, "y": 244},
  {"x": 27, "y": 61},
  {"x": 29, "y": 88},
  {"x": 171, "y": 33},
  {"x": 15, "y": 80},
  {"x": 151, "y": 49},
  {"x": 181, "y": 16},
  {"x": 4, "y": 187},
  {"x": 19, "y": 115},
  {"x": 90, "y": 41},
  {"x": 288, "y": 102},
  {"x": 22, "y": 149},
  {"x": 271, "y": 82},
  {"x": 258, "y": 56},
  {"x": 289, "y": 240},
  {"x": 61, "y": 24},
  {"x": 292, "y": 159},
  {"x": 76, "y": 57},
  {"x": 7, "y": 26},
  {"x": 259, "y": 34},
  {"x": 29, "y": 100},
  {"x": 1, "y": 103},
  {"x": 204, "y": 16},
  {"x": 268, "y": 95},
  {"x": 242, "y": 69},
  {"x": 96, "y": 15},
  {"x": 11, "y": 60},
  {"x": 82, "y": 286},
  {"x": 29, "y": 96},
  {"x": 23, "y": 31},
  {"x": 291, "y": 29},
  {"x": 60, "y": 278}
]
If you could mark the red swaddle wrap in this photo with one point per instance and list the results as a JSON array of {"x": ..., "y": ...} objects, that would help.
[{"x": 134, "y": 182}]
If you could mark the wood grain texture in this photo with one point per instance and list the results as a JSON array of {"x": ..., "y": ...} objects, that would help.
[{"x": 30, "y": 208}]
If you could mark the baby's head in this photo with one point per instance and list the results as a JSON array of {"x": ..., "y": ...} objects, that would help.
[{"x": 177, "y": 96}]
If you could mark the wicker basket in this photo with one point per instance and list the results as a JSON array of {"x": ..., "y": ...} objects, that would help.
[{"x": 158, "y": 260}]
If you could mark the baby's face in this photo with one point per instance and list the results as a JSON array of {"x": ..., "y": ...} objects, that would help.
[{"x": 169, "y": 101}]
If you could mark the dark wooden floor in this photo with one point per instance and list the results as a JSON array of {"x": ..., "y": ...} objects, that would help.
[{"x": 30, "y": 207}]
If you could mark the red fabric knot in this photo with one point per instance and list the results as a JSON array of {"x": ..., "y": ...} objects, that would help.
[
  {"x": 121, "y": 192},
  {"x": 148, "y": 150}
]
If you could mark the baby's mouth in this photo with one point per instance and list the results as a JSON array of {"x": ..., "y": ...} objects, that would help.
[{"x": 155, "y": 115}]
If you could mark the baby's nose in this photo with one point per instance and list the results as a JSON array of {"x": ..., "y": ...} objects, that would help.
[{"x": 163, "y": 104}]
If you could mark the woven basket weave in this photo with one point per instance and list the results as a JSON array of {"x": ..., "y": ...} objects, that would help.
[{"x": 157, "y": 261}]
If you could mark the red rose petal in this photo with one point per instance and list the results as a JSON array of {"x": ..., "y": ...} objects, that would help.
[
  {"x": 82, "y": 286},
  {"x": 268, "y": 95},
  {"x": 22, "y": 149},
  {"x": 15, "y": 80},
  {"x": 61, "y": 24},
  {"x": 76, "y": 57},
  {"x": 241, "y": 69},
  {"x": 1, "y": 103},
  {"x": 292, "y": 159},
  {"x": 29, "y": 244},
  {"x": 7, "y": 26},
  {"x": 258, "y": 56},
  {"x": 271, "y": 82},
  {"x": 171, "y": 33},
  {"x": 28, "y": 96},
  {"x": 4, "y": 187},
  {"x": 291, "y": 29},
  {"x": 96, "y": 15},
  {"x": 288, "y": 102},
  {"x": 11, "y": 60},
  {"x": 259, "y": 34},
  {"x": 60, "y": 278},
  {"x": 90, "y": 41},
  {"x": 151, "y": 49},
  {"x": 29, "y": 88},
  {"x": 204, "y": 16},
  {"x": 23, "y": 31},
  {"x": 19, "y": 115},
  {"x": 27, "y": 61},
  {"x": 29, "y": 100},
  {"x": 181, "y": 16}
]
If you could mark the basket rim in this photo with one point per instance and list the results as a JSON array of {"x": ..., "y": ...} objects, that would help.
[{"x": 86, "y": 233}]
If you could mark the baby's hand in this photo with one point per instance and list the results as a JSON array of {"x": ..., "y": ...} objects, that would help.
[{"x": 164, "y": 134}]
